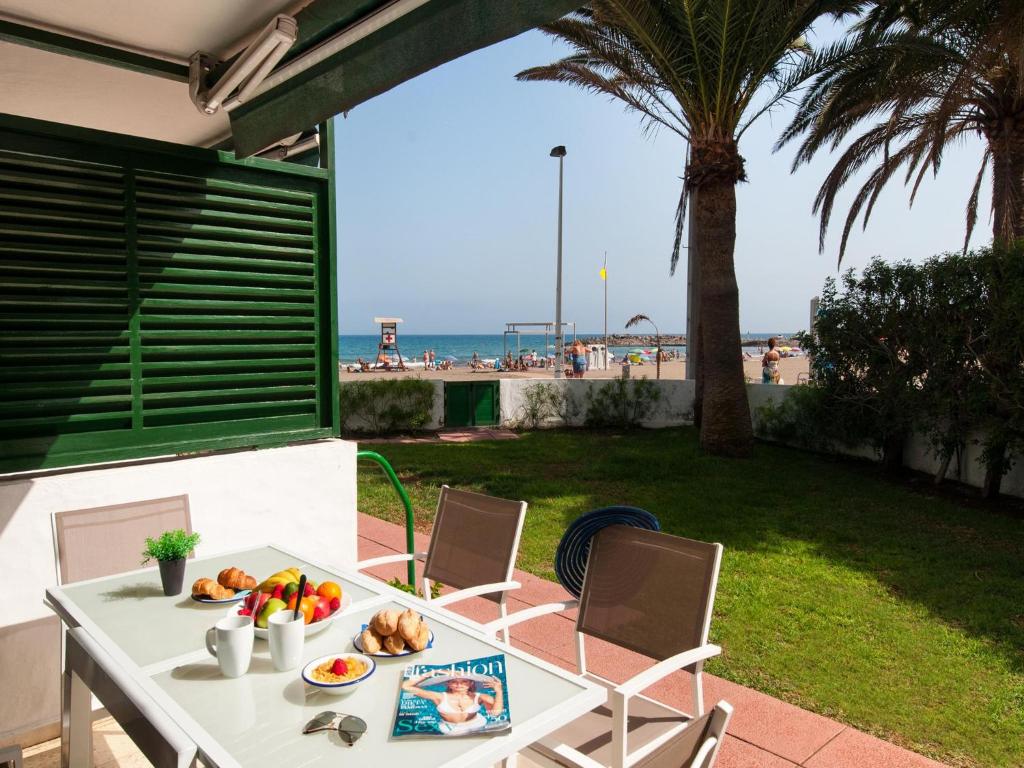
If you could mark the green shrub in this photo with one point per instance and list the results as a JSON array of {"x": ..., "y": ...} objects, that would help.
[
  {"x": 542, "y": 402},
  {"x": 623, "y": 403},
  {"x": 386, "y": 405},
  {"x": 435, "y": 588}
]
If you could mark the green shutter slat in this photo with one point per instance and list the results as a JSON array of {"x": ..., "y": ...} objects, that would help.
[
  {"x": 217, "y": 277},
  {"x": 59, "y": 199},
  {"x": 164, "y": 212},
  {"x": 267, "y": 266},
  {"x": 232, "y": 235},
  {"x": 63, "y": 404},
  {"x": 84, "y": 270},
  {"x": 212, "y": 305},
  {"x": 68, "y": 302},
  {"x": 199, "y": 244},
  {"x": 96, "y": 187},
  {"x": 186, "y": 321},
  {"x": 64, "y": 251},
  {"x": 63, "y": 387},
  {"x": 225, "y": 203},
  {"x": 218, "y": 409},
  {"x": 94, "y": 420},
  {"x": 193, "y": 289},
  {"x": 59, "y": 370},
  {"x": 148, "y": 180},
  {"x": 262, "y": 350},
  {"x": 256, "y": 334},
  {"x": 227, "y": 364},
  {"x": 57, "y": 283},
  {"x": 11, "y": 356},
  {"x": 41, "y": 164},
  {"x": 237, "y": 394},
  {"x": 164, "y": 383}
]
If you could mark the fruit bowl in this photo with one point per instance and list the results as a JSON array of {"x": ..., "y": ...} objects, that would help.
[
  {"x": 314, "y": 628},
  {"x": 337, "y": 688}
]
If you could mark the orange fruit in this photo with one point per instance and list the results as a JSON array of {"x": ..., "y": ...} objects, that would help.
[
  {"x": 329, "y": 590},
  {"x": 306, "y": 607}
]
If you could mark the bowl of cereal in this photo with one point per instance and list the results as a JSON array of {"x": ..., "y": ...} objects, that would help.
[{"x": 339, "y": 672}]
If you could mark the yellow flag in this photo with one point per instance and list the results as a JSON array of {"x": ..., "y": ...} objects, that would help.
[{"x": 604, "y": 273}]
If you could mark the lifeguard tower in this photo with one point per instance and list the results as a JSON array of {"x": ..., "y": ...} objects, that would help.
[{"x": 388, "y": 342}]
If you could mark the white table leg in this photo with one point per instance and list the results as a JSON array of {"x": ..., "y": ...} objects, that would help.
[{"x": 76, "y": 723}]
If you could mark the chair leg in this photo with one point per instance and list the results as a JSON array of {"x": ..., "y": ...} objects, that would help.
[
  {"x": 76, "y": 723},
  {"x": 509, "y": 762},
  {"x": 698, "y": 690},
  {"x": 506, "y": 634}
]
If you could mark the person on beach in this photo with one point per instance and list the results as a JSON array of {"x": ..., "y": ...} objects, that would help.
[
  {"x": 433, "y": 360},
  {"x": 426, "y": 360},
  {"x": 475, "y": 362},
  {"x": 770, "y": 364}
]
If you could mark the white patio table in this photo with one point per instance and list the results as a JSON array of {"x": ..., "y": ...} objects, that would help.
[{"x": 256, "y": 720}]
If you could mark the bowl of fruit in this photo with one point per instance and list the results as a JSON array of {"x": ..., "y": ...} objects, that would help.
[
  {"x": 319, "y": 604},
  {"x": 338, "y": 672}
]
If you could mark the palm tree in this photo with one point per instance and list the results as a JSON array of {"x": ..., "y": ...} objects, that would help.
[
  {"x": 917, "y": 77},
  {"x": 704, "y": 70},
  {"x": 636, "y": 320}
]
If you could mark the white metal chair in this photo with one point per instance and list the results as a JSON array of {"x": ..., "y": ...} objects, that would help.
[
  {"x": 472, "y": 548},
  {"x": 10, "y": 757},
  {"x": 651, "y": 593},
  {"x": 88, "y": 668}
]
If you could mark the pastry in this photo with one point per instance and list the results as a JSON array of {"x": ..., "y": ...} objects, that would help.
[
  {"x": 419, "y": 642},
  {"x": 236, "y": 578},
  {"x": 209, "y": 588},
  {"x": 409, "y": 624},
  {"x": 394, "y": 644},
  {"x": 385, "y": 622},
  {"x": 370, "y": 640}
]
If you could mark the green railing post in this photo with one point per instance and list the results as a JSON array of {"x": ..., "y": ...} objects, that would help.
[{"x": 410, "y": 540}]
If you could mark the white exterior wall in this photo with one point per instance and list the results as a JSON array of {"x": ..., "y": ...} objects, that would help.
[{"x": 302, "y": 497}]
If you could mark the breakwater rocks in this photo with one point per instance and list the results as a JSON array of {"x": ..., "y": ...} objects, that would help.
[{"x": 676, "y": 340}]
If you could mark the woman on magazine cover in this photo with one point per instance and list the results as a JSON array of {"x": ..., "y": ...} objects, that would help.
[{"x": 460, "y": 706}]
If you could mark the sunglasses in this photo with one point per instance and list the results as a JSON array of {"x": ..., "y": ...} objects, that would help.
[{"x": 350, "y": 728}]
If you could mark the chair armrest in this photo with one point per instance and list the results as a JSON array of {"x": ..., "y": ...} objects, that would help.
[
  {"x": 650, "y": 676},
  {"x": 373, "y": 562},
  {"x": 492, "y": 627},
  {"x": 482, "y": 589}
]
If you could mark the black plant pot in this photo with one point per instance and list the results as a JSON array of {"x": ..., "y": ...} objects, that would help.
[{"x": 172, "y": 574}]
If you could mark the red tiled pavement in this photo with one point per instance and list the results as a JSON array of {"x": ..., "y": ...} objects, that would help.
[{"x": 764, "y": 732}]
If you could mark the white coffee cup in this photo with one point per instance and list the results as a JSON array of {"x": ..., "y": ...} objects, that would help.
[
  {"x": 230, "y": 642},
  {"x": 286, "y": 635}
]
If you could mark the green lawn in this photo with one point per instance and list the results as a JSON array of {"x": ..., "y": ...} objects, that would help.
[{"x": 894, "y": 611}]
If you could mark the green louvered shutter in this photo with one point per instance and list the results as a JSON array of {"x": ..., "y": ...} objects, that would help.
[
  {"x": 152, "y": 304},
  {"x": 64, "y": 301},
  {"x": 227, "y": 277}
]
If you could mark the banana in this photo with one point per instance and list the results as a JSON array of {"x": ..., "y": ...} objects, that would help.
[{"x": 281, "y": 577}]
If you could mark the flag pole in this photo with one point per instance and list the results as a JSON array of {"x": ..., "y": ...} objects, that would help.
[{"x": 604, "y": 279}]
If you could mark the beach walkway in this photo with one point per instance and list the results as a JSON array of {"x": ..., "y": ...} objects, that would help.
[{"x": 764, "y": 732}]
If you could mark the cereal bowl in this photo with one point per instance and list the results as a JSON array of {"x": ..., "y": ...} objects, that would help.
[{"x": 316, "y": 674}]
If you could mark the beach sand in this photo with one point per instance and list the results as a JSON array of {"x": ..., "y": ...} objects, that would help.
[{"x": 791, "y": 368}]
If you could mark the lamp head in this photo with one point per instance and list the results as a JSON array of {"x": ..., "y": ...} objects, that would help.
[{"x": 558, "y": 151}]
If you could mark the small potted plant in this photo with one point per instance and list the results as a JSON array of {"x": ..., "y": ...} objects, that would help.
[{"x": 170, "y": 551}]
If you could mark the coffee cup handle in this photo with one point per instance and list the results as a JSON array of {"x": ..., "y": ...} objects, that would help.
[{"x": 211, "y": 634}]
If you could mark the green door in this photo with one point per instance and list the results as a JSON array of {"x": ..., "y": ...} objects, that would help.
[{"x": 471, "y": 403}]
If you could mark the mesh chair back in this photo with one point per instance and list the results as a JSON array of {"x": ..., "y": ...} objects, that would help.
[
  {"x": 684, "y": 750},
  {"x": 649, "y": 591},
  {"x": 106, "y": 540},
  {"x": 474, "y": 540}
]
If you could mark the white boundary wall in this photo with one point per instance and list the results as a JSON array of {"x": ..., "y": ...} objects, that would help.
[{"x": 302, "y": 497}]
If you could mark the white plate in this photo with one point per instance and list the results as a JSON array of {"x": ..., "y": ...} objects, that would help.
[
  {"x": 358, "y": 643},
  {"x": 346, "y": 687},
  {"x": 311, "y": 629},
  {"x": 210, "y": 601}
]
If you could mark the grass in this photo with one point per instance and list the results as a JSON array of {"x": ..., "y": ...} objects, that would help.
[{"x": 893, "y": 610}]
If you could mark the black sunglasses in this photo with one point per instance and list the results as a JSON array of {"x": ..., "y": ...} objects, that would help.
[{"x": 349, "y": 729}]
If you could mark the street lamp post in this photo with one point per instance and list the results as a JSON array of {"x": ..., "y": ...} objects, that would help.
[{"x": 559, "y": 152}]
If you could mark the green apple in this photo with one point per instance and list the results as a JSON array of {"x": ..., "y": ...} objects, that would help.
[
  {"x": 272, "y": 606},
  {"x": 290, "y": 589}
]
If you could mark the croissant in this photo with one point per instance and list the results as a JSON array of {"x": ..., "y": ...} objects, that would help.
[
  {"x": 209, "y": 588},
  {"x": 236, "y": 578},
  {"x": 394, "y": 644},
  {"x": 409, "y": 624},
  {"x": 419, "y": 642},
  {"x": 370, "y": 640},
  {"x": 385, "y": 622}
]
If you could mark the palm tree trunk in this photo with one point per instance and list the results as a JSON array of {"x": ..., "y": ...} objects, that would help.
[
  {"x": 1007, "y": 186},
  {"x": 725, "y": 428}
]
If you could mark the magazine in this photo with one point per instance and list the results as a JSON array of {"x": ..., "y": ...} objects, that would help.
[{"x": 462, "y": 698}]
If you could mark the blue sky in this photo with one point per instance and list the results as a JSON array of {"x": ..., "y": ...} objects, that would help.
[{"x": 447, "y": 207}]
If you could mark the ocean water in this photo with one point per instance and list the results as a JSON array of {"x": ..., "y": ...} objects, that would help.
[{"x": 462, "y": 346}]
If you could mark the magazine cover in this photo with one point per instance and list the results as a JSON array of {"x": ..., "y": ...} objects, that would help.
[{"x": 457, "y": 699}]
